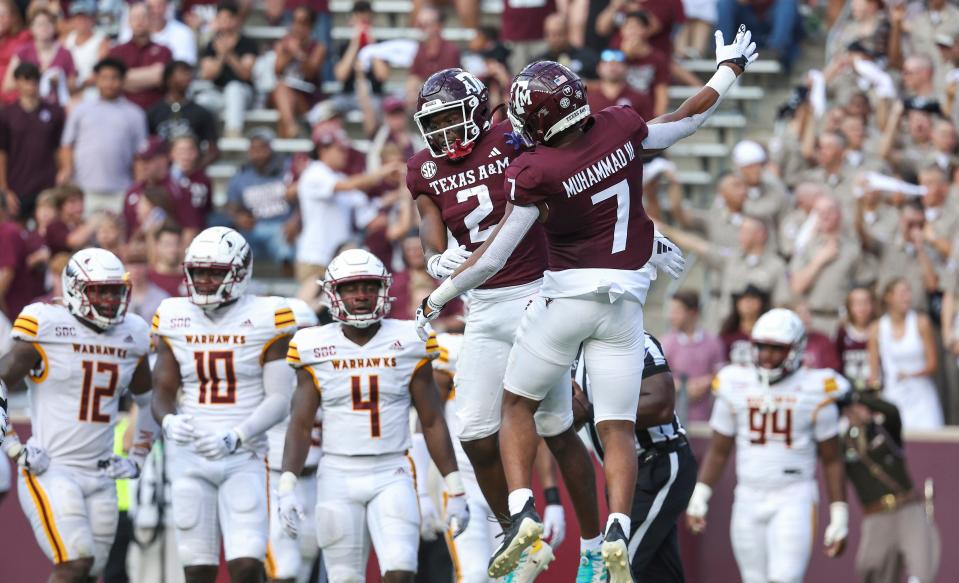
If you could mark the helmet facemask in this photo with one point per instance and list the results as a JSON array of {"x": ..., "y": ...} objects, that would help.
[
  {"x": 206, "y": 288},
  {"x": 340, "y": 308},
  {"x": 789, "y": 364},
  {"x": 452, "y": 140},
  {"x": 103, "y": 303}
]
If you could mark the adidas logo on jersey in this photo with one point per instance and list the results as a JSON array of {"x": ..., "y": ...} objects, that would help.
[
  {"x": 494, "y": 152},
  {"x": 246, "y": 324},
  {"x": 396, "y": 345},
  {"x": 128, "y": 339}
]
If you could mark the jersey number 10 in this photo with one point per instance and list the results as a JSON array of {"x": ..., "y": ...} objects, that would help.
[
  {"x": 212, "y": 390},
  {"x": 763, "y": 423}
]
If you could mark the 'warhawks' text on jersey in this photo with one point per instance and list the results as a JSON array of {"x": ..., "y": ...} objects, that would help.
[
  {"x": 364, "y": 390},
  {"x": 776, "y": 429},
  {"x": 594, "y": 191},
  {"x": 221, "y": 360},
  {"x": 470, "y": 195},
  {"x": 75, "y": 391}
]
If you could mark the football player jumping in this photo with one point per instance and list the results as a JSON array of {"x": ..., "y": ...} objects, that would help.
[
  {"x": 780, "y": 416},
  {"x": 77, "y": 357},
  {"x": 225, "y": 349},
  {"x": 365, "y": 371},
  {"x": 457, "y": 182},
  {"x": 583, "y": 181}
]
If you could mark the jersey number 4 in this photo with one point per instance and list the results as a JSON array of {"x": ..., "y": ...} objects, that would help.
[
  {"x": 216, "y": 388},
  {"x": 372, "y": 404},
  {"x": 772, "y": 423},
  {"x": 91, "y": 395}
]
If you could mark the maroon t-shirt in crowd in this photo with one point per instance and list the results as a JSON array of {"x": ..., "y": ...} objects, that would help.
[
  {"x": 171, "y": 284},
  {"x": 594, "y": 188},
  {"x": 641, "y": 102},
  {"x": 16, "y": 243},
  {"x": 471, "y": 196},
  {"x": 192, "y": 196},
  {"x": 738, "y": 348},
  {"x": 523, "y": 19},
  {"x": 135, "y": 56},
  {"x": 55, "y": 237},
  {"x": 645, "y": 73},
  {"x": 31, "y": 139},
  {"x": 317, "y": 6},
  {"x": 820, "y": 352},
  {"x": 9, "y": 45},
  {"x": 853, "y": 354},
  {"x": 62, "y": 60},
  {"x": 427, "y": 62},
  {"x": 669, "y": 13}
]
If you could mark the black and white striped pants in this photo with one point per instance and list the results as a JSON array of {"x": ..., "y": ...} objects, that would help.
[{"x": 664, "y": 484}]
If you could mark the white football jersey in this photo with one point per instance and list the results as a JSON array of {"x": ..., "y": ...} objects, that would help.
[
  {"x": 364, "y": 390},
  {"x": 221, "y": 359},
  {"x": 75, "y": 391},
  {"x": 776, "y": 429}
]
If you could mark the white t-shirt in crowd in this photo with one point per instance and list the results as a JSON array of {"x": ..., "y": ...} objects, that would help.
[{"x": 328, "y": 216}]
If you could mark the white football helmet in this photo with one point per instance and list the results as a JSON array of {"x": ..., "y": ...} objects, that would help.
[
  {"x": 356, "y": 265},
  {"x": 96, "y": 287},
  {"x": 780, "y": 327},
  {"x": 218, "y": 249},
  {"x": 303, "y": 313}
]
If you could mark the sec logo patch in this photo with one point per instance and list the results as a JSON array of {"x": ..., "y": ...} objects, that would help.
[{"x": 428, "y": 169}]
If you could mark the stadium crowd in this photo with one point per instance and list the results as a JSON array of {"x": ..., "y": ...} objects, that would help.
[{"x": 117, "y": 114}]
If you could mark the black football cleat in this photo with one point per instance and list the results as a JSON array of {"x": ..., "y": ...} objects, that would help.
[
  {"x": 616, "y": 554},
  {"x": 526, "y": 527}
]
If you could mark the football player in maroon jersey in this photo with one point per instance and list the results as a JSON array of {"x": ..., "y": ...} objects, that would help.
[
  {"x": 582, "y": 180},
  {"x": 458, "y": 185}
]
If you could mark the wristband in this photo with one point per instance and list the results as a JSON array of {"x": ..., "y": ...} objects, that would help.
[
  {"x": 552, "y": 496},
  {"x": 454, "y": 484},
  {"x": 287, "y": 483},
  {"x": 839, "y": 514},
  {"x": 443, "y": 295},
  {"x": 722, "y": 80}
]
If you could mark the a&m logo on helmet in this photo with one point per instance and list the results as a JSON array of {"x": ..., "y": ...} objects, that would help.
[
  {"x": 428, "y": 169},
  {"x": 470, "y": 82},
  {"x": 521, "y": 96}
]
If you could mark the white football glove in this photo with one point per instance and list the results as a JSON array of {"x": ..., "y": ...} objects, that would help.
[
  {"x": 740, "y": 52},
  {"x": 214, "y": 446},
  {"x": 554, "y": 525},
  {"x": 33, "y": 459},
  {"x": 457, "y": 514},
  {"x": 423, "y": 326},
  {"x": 430, "y": 523},
  {"x": 117, "y": 467},
  {"x": 179, "y": 429},
  {"x": 838, "y": 528},
  {"x": 699, "y": 501},
  {"x": 11, "y": 444},
  {"x": 667, "y": 256},
  {"x": 290, "y": 509},
  {"x": 443, "y": 265}
]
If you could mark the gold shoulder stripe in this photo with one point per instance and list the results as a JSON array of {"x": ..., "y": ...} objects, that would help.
[
  {"x": 155, "y": 325},
  {"x": 26, "y": 323},
  {"x": 28, "y": 318},
  {"x": 26, "y": 331},
  {"x": 715, "y": 384},
  {"x": 293, "y": 354},
  {"x": 830, "y": 385}
]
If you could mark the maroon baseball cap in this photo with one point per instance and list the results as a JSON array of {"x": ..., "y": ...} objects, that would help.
[
  {"x": 393, "y": 104},
  {"x": 153, "y": 147}
]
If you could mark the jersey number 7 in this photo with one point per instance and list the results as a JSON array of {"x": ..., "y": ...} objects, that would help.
[{"x": 372, "y": 404}]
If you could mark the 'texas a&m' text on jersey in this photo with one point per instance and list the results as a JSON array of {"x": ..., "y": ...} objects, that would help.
[
  {"x": 221, "y": 359},
  {"x": 364, "y": 390},
  {"x": 469, "y": 193},
  {"x": 75, "y": 391}
]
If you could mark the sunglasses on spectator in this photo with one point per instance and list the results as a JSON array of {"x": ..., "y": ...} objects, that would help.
[{"x": 612, "y": 55}]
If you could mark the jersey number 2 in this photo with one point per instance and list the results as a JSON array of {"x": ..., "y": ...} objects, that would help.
[
  {"x": 208, "y": 372},
  {"x": 778, "y": 422},
  {"x": 621, "y": 191},
  {"x": 372, "y": 404},
  {"x": 476, "y": 216},
  {"x": 91, "y": 395}
]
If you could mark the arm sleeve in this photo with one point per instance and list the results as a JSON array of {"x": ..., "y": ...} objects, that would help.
[
  {"x": 514, "y": 228},
  {"x": 146, "y": 428},
  {"x": 723, "y": 417},
  {"x": 664, "y": 135},
  {"x": 278, "y": 381}
]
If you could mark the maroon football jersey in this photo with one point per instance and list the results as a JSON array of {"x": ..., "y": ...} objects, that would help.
[
  {"x": 853, "y": 353},
  {"x": 470, "y": 194},
  {"x": 594, "y": 191}
]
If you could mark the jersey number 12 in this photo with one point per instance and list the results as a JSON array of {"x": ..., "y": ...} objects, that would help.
[{"x": 91, "y": 395}]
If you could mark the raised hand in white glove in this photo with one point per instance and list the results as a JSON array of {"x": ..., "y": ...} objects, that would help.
[
  {"x": 697, "y": 508},
  {"x": 741, "y": 52},
  {"x": 457, "y": 514},
  {"x": 214, "y": 446},
  {"x": 834, "y": 538},
  {"x": 34, "y": 459},
  {"x": 667, "y": 256},
  {"x": 430, "y": 523},
  {"x": 179, "y": 429},
  {"x": 554, "y": 525},
  {"x": 290, "y": 510},
  {"x": 423, "y": 326},
  {"x": 443, "y": 265},
  {"x": 117, "y": 467}
]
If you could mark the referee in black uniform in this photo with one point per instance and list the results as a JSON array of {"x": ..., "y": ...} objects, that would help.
[{"x": 667, "y": 467}]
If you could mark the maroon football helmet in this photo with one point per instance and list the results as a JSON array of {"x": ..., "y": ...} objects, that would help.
[
  {"x": 545, "y": 100},
  {"x": 452, "y": 112}
]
